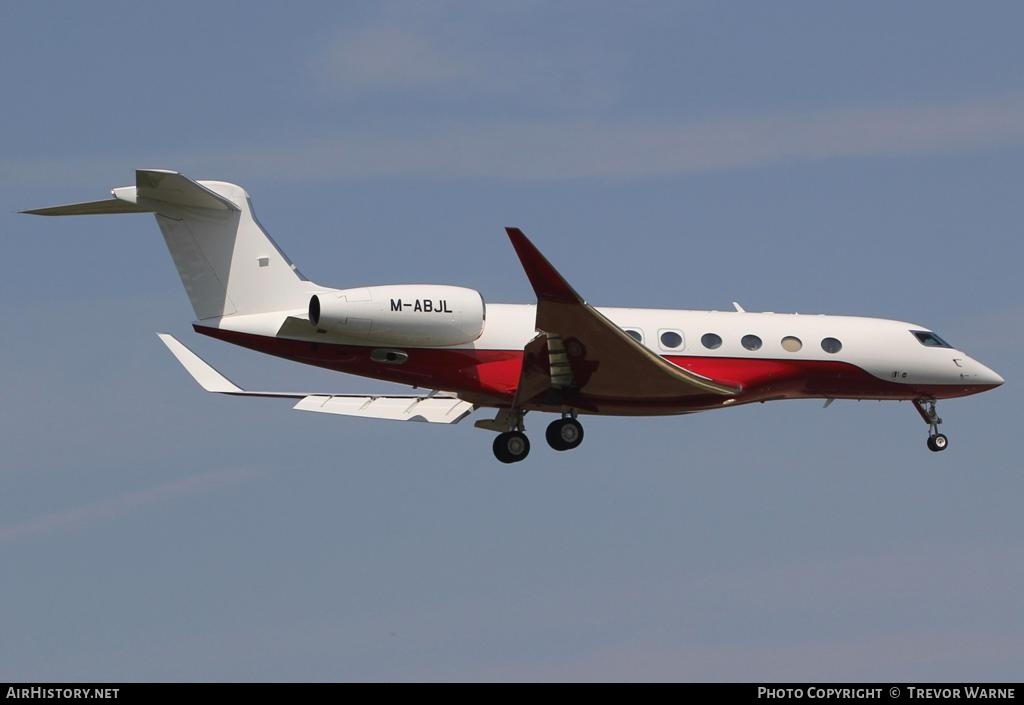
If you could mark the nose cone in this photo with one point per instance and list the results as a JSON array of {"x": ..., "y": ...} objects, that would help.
[
  {"x": 980, "y": 376},
  {"x": 988, "y": 376}
]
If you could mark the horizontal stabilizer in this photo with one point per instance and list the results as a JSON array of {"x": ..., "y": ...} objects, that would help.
[
  {"x": 227, "y": 262},
  {"x": 153, "y": 187},
  {"x": 111, "y": 205},
  {"x": 176, "y": 189}
]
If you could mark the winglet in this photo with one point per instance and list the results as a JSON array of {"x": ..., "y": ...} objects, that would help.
[
  {"x": 208, "y": 378},
  {"x": 436, "y": 407},
  {"x": 548, "y": 284}
]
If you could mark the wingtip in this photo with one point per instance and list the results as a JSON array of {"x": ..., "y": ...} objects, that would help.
[
  {"x": 520, "y": 242},
  {"x": 201, "y": 371},
  {"x": 547, "y": 282}
]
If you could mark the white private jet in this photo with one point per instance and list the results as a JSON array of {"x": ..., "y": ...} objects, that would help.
[{"x": 559, "y": 356}]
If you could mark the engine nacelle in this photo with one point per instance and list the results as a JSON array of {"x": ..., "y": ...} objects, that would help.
[{"x": 404, "y": 314}]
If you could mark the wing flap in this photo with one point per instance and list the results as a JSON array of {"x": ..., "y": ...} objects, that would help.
[
  {"x": 430, "y": 409},
  {"x": 436, "y": 407}
]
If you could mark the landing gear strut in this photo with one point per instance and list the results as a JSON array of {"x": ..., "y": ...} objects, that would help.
[
  {"x": 565, "y": 433},
  {"x": 936, "y": 441}
]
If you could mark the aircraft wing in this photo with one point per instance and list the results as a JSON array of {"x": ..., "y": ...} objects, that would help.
[
  {"x": 584, "y": 356},
  {"x": 436, "y": 407}
]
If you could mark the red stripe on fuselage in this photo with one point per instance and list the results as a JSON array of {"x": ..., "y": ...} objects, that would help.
[
  {"x": 491, "y": 376},
  {"x": 488, "y": 374},
  {"x": 800, "y": 379}
]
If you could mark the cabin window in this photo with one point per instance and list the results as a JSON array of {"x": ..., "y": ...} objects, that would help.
[
  {"x": 711, "y": 341},
  {"x": 671, "y": 339},
  {"x": 791, "y": 343},
  {"x": 831, "y": 345},
  {"x": 751, "y": 342},
  {"x": 929, "y": 339},
  {"x": 634, "y": 334}
]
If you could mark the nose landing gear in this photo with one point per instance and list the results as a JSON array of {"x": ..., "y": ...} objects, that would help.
[{"x": 926, "y": 408}]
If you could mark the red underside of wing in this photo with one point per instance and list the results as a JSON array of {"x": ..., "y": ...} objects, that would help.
[{"x": 491, "y": 376}]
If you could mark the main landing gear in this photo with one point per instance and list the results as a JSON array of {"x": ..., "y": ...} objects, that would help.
[
  {"x": 936, "y": 441},
  {"x": 565, "y": 433},
  {"x": 512, "y": 445}
]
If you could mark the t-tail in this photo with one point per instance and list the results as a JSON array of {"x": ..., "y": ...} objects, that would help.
[{"x": 228, "y": 264}]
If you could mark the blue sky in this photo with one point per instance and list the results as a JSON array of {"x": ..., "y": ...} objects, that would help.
[{"x": 858, "y": 159}]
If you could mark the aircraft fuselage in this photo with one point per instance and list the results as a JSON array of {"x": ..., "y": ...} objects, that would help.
[
  {"x": 560, "y": 355},
  {"x": 768, "y": 355}
]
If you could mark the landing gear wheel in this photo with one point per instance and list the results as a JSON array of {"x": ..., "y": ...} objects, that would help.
[
  {"x": 564, "y": 434},
  {"x": 511, "y": 446},
  {"x": 938, "y": 442}
]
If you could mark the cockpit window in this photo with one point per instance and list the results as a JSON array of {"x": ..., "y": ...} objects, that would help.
[{"x": 930, "y": 340}]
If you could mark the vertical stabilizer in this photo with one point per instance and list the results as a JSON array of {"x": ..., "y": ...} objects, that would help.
[{"x": 228, "y": 264}]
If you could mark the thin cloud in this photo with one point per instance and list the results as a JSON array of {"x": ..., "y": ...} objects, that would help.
[
  {"x": 110, "y": 508},
  {"x": 455, "y": 54},
  {"x": 388, "y": 58},
  {"x": 563, "y": 149},
  {"x": 632, "y": 149}
]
